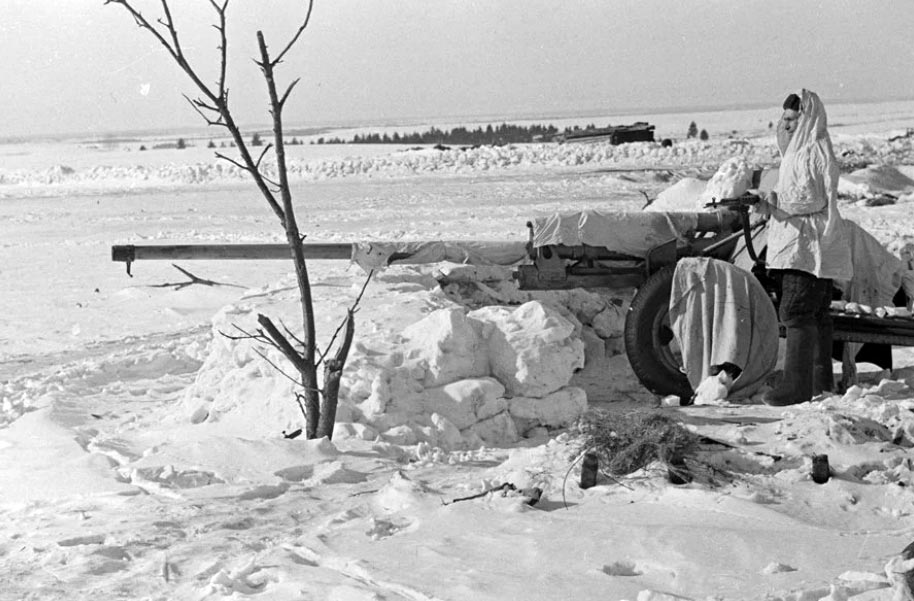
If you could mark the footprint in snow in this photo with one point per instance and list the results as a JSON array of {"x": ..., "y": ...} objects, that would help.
[
  {"x": 777, "y": 568},
  {"x": 383, "y": 528},
  {"x": 622, "y": 568},
  {"x": 264, "y": 492}
]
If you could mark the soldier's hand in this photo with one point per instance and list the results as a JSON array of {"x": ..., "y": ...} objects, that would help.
[{"x": 765, "y": 205}]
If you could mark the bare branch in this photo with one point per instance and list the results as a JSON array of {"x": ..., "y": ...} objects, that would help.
[
  {"x": 282, "y": 343},
  {"x": 272, "y": 182},
  {"x": 300, "y": 399},
  {"x": 223, "y": 45},
  {"x": 218, "y": 102},
  {"x": 263, "y": 153},
  {"x": 173, "y": 47},
  {"x": 170, "y": 24},
  {"x": 203, "y": 105},
  {"x": 279, "y": 369},
  {"x": 197, "y": 105},
  {"x": 298, "y": 33},
  {"x": 192, "y": 279},
  {"x": 291, "y": 334},
  {"x": 351, "y": 311},
  {"x": 258, "y": 178},
  {"x": 259, "y": 336},
  {"x": 144, "y": 24},
  {"x": 282, "y": 101},
  {"x": 219, "y": 155}
]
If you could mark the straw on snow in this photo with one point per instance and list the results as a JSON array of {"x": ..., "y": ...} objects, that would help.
[{"x": 627, "y": 442}]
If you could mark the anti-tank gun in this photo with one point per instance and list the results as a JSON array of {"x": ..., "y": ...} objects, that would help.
[
  {"x": 536, "y": 266},
  {"x": 591, "y": 250}
]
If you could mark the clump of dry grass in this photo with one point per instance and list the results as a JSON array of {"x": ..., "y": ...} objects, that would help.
[{"x": 627, "y": 442}]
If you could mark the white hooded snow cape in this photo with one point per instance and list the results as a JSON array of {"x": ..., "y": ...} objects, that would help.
[{"x": 805, "y": 231}]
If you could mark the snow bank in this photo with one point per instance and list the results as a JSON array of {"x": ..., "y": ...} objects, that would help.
[
  {"x": 732, "y": 179},
  {"x": 685, "y": 195},
  {"x": 877, "y": 180},
  {"x": 398, "y": 163},
  {"x": 403, "y": 163}
]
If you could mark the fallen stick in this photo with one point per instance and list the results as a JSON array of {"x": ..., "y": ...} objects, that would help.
[{"x": 533, "y": 494}]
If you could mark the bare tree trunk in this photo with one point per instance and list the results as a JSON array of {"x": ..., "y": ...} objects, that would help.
[
  {"x": 333, "y": 373},
  {"x": 308, "y": 370}
]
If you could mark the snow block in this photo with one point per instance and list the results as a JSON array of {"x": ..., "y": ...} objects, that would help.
[
  {"x": 448, "y": 344},
  {"x": 353, "y": 430},
  {"x": 732, "y": 179},
  {"x": 447, "y": 434},
  {"x": 393, "y": 390},
  {"x": 465, "y": 402},
  {"x": 557, "y": 410},
  {"x": 684, "y": 195},
  {"x": 495, "y": 431},
  {"x": 610, "y": 323},
  {"x": 594, "y": 346},
  {"x": 401, "y": 435},
  {"x": 533, "y": 350}
]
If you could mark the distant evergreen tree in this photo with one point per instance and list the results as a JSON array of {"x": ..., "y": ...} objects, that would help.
[
  {"x": 256, "y": 140},
  {"x": 180, "y": 144},
  {"x": 703, "y": 135},
  {"x": 490, "y": 135},
  {"x": 211, "y": 144},
  {"x": 142, "y": 147},
  {"x": 693, "y": 130}
]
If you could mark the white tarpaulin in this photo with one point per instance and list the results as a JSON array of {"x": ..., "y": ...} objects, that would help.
[
  {"x": 626, "y": 233},
  {"x": 719, "y": 314},
  {"x": 378, "y": 255}
]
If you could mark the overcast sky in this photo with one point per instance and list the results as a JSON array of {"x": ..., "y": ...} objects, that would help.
[{"x": 74, "y": 66}]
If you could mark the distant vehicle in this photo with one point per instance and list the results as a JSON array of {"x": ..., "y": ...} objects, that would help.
[{"x": 639, "y": 131}]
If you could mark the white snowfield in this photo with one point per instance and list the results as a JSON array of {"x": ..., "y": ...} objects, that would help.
[{"x": 144, "y": 453}]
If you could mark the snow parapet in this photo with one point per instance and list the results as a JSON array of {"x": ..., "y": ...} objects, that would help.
[
  {"x": 467, "y": 373},
  {"x": 454, "y": 379}
]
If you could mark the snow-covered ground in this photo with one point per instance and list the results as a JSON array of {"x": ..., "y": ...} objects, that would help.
[{"x": 142, "y": 453}]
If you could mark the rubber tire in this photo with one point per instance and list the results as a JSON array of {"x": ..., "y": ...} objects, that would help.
[{"x": 648, "y": 335}]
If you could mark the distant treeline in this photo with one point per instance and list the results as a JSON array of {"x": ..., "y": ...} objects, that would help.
[{"x": 497, "y": 135}]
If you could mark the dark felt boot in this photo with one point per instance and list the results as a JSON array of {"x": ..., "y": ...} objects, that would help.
[
  {"x": 823, "y": 371},
  {"x": 796, "y": 385}
]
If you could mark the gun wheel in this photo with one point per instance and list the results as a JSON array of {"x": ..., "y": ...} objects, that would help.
[{"x": 652, "y": 349}]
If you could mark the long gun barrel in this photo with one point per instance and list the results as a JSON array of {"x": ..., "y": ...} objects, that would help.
[
  {"x": 128, "y": 253},
  {"x": 475, "y": 252}
]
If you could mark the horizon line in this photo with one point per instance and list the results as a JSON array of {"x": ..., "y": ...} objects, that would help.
[{"x": 320, "y": 127}]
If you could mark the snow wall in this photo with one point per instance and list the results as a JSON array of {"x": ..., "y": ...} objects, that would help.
[{"x": 459, "y": 375}]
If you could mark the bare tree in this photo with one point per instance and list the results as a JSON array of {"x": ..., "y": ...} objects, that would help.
[{"x": 318, "y": 404}]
